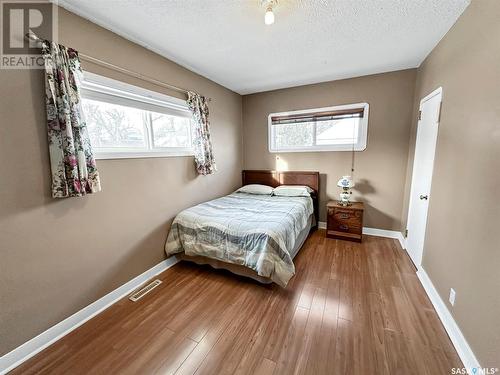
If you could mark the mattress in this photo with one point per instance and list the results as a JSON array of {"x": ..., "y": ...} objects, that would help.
[
  {"x": 242, "y": 270},
  {"x": 259, "y": 232}
]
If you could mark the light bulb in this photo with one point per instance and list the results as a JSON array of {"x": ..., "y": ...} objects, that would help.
[{"x": 269, "y": 17}]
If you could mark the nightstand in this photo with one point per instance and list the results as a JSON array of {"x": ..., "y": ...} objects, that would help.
[{"x": 345, "y": 222}]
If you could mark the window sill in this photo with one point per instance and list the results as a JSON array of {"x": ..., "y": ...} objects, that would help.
[
  {"x": 320, "y": 149},
  {"x": 140, "y": 155}
]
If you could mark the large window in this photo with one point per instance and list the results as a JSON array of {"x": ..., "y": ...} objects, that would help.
[
  {"x": 340, "y": 128},
  {"x": 126, "y": 121}
]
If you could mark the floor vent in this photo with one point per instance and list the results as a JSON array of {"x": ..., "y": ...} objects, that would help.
[{"x": 144, "y": 290}]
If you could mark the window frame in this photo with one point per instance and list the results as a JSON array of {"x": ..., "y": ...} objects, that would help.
[
  {"x": 100, "y": 88},
  {"x": 360, "y": 145}
]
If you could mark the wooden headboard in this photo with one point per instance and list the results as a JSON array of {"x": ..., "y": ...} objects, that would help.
[{"x": 276, "y": 178}]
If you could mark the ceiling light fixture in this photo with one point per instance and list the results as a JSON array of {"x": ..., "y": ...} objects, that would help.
[{"x": 269, "y": 5}]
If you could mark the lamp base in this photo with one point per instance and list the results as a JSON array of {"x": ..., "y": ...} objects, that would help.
[
  {"x": 344, "y": 197},
  {"x": 344, "y": 203}
]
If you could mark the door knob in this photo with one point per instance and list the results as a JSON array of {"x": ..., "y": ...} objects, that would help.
[{"x": 424, "y": 197}]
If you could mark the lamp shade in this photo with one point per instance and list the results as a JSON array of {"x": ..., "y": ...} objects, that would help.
[{"x": 345, "y": 182}]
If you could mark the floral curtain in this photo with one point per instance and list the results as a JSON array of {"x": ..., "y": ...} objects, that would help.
[
  {"x": 203, "y": 154},
  {"x": 73, "y": 167}
]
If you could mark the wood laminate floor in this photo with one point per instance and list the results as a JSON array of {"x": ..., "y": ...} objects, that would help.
[{"x": 350, "y": 309}]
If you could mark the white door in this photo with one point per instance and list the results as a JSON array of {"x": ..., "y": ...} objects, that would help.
[{"x": 421, "y": 181}]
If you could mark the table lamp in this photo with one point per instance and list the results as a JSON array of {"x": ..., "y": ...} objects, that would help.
[{"x": 346, "y": 183}]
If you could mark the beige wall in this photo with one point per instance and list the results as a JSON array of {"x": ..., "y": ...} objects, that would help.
[
  {"x": 380, "y": 169},
  {"x": 58, "y": 256},
  {"x": 462, "y": 249}
]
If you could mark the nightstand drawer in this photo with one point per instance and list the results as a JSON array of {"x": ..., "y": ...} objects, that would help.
[
  {"x": 343, "y": 214},
  {"x": 351, "y": 219},
  {"x": 343, "y": 210},
  {"x": 346, "y": 214},
  {"x": 343, "y": 226}
]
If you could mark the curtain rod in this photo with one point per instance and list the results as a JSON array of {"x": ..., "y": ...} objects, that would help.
[{"x": 32, "y": 36}]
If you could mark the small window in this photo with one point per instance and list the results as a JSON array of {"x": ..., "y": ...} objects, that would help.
[
  {"x": 321, "y": 129},
  {"x": 126, "y": 121}
]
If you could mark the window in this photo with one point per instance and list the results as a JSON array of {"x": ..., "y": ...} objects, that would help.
[
  {"x": 126, "y": 121},
  {"x": 321, "y": 129}
]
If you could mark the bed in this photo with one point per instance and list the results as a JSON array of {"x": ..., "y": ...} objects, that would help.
[{"x": 251, "y": 235}]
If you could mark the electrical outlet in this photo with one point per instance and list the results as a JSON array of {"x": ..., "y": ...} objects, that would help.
[{"x": 452, "y": 296}]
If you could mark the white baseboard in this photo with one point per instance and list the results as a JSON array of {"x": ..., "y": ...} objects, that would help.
[
  {"x": 457, "y": 338},
  {"x": 377, "y": 232},
  {"x": 32, "y": 347},
  {"x": 386, "y": 233}
]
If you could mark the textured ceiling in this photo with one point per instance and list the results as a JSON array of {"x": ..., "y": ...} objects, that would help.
[{"x": 311, "y": 40}]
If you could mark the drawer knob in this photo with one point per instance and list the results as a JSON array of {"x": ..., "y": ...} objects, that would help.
[
  {"x": 344, "y": 216},
  {"x": 343, "y": 227}
]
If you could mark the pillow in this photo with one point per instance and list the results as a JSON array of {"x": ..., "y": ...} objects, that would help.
[
  {"x": 256, "y": 189},
  {"x": 293, "y": 191}
]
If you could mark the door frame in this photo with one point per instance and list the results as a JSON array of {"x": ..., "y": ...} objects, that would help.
[{"x": 438, "y": 91}]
